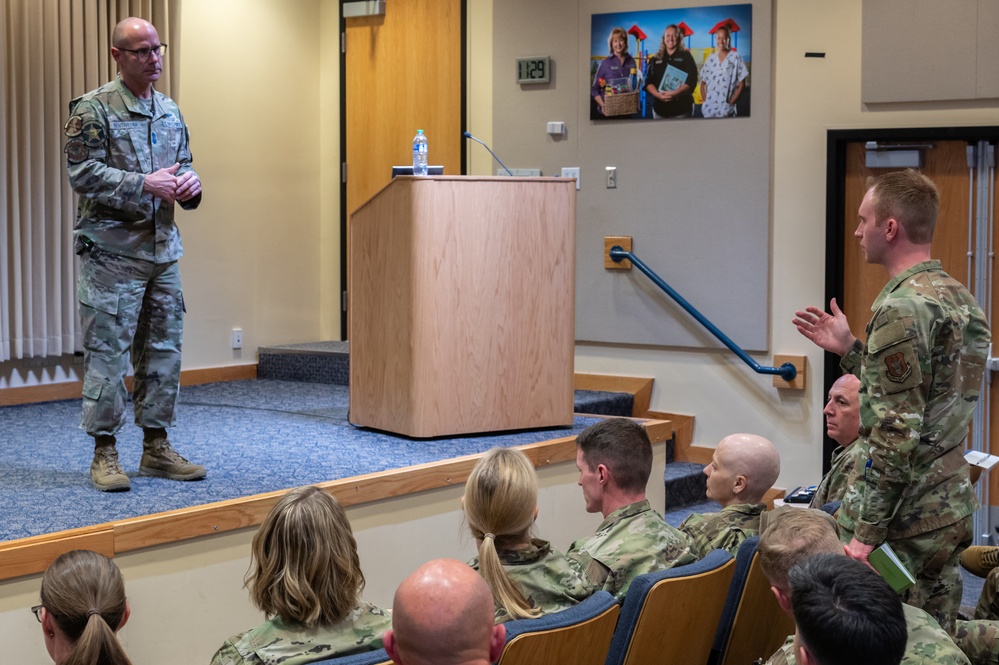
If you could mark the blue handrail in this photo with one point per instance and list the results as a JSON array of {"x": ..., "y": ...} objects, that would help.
[{"x": 786, "y": 371}]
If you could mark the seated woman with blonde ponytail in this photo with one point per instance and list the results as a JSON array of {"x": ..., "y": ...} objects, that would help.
[
  {"x": 83, "y": 606},
  {"x": 528, "y": 577}
]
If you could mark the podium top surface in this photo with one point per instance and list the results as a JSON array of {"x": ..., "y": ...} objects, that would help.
[{"x": 410, "y": 179}]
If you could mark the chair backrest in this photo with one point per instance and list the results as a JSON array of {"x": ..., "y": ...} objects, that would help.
[
  {"x": 743, "y": 559},
  {"x": 580, "y": 635},
  {"x": 379, "y": 657},
  {"x": 753, "y": 625},
  {"x": 672, "y": 614}
]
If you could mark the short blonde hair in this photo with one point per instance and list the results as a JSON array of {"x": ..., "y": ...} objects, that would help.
[
  {"x": 500, "y": 497},
  {"x": 617, "y": 32},
  {"x": 911, "y": 198},
  {"x": 304, "y": 566},
  {"x": 791, "y": 536}
]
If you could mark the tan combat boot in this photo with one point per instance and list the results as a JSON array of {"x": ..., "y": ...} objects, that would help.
[
  {"x": 161, "y": 460},
  {"x": 979, "y": 559},
  {"x": 105, "y": 472}
]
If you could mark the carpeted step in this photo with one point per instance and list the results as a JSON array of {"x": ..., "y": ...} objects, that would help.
[
  {"x": 685, "y": 484},
  {"x": 603, "y": 403},
  {"x": 313, "y": 362}
]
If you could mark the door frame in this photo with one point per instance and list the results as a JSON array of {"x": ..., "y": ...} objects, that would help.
[
  {"x": 836, "y": 144},
  {"x": 463, "y": 96}
]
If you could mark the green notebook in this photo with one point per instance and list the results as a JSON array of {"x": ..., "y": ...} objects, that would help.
[{"x": 884, "y": 560}]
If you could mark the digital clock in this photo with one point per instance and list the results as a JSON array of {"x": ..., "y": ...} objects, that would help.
[{"x": 534, "y": 70}]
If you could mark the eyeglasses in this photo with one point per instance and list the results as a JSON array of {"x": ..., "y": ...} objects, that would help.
[
  {"x": 144, "y": 53},
  {"x": 37, "y": 611}
]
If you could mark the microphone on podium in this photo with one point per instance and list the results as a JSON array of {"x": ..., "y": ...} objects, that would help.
[{"x": 468, "y": 135}]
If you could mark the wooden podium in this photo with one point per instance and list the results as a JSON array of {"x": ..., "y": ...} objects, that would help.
[{"x": 461, "y": 300}]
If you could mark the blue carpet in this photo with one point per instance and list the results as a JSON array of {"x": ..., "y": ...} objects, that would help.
[{"x": 254, "y": 436}]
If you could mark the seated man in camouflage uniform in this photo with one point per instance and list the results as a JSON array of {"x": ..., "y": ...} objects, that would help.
[
  {"x": 443, "y": 615},
  {"x": 792, "y": 536},
  {"x": 845, "y": 613},
  {"x": 614, "y": 458},
  {"x": 743, "y": 467},
  {"x": 842, "y": 413}
]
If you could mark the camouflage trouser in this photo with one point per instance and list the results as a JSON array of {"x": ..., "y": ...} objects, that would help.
[
  {"x": 129, "y": 308},
  {"x": 933, "y": 558},
  {"x": 979, "y": 639}
]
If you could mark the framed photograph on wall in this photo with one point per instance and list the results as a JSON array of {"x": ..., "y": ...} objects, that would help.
[{"x": 693, "y": 62}]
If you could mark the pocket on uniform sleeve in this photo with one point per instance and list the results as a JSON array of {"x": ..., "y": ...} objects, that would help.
[{"x": 894, "y": 349}]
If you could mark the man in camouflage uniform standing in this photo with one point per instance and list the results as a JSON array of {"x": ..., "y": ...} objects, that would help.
[
  {"x": 614, "y": 458},
  {"x": 920, "y": 374},
  {"x": 743, "y": 467},
  {"x": 128, "y": 158}
]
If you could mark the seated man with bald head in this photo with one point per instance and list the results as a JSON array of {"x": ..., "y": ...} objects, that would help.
[
  {"x": 842, "y": 413},
  {"x": 443, "y": 615},
  {"x": 743, "y": 467}
]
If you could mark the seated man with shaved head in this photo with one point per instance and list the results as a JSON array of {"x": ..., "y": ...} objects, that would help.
[
  {"x": 443, "y": 615},
  {"x": 842, "y": 413},
  {"x": 743, "y": 467}
]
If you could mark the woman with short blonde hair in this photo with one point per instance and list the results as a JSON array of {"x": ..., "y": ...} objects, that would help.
[
  {"x": 306, "y": 576},
  {"x": 527, "y": 576}
]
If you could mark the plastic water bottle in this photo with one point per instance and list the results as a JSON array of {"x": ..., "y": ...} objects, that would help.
[{"x": 420, "y": 153}]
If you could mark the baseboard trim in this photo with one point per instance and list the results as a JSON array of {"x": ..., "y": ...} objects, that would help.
[{"x": 74, "y": 389}]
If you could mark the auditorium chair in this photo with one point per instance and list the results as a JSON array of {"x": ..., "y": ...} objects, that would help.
[
  {"x": 580, "y": 635},
  {"x": 752, "y": 625},
  {"x": 672, "y": 615}
]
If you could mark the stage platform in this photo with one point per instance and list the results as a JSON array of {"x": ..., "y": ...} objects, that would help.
[{"x": 258, "y": 439}]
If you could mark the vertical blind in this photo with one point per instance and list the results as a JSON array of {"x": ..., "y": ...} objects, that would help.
[{"x": 51, "y": 52}]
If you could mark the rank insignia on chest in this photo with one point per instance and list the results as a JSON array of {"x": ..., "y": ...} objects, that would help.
[
  {"x": 94, "y": 134},
  {"x": 896, "y": 367}
]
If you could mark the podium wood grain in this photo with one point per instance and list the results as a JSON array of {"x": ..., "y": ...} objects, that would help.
[{"x": 462, "y": 298}]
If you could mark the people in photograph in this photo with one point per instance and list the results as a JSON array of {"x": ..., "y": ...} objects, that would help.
[
  {"x": 614, "y": 458},
  {"x": 920, "y": 376},
  {"x": 128, "y": 157},
  {"x": 442, "y": 614},
  {"x": 723, "y": 78},
  {"x": 842, "y": 413},
  {"x": 743, "y": 467},
  {"x": 618, "y": 65},
  {"x": 672, "y": 77},
  {"x": 528, "y": 577},
  {"x": 306, "y": 577},
  {"x": 83, "y": 607}
]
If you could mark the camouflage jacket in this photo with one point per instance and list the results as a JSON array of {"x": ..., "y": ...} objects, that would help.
[
  {"x": 113, "y": 141},
  {"x": 920, "y": 374},
  {"x": 544, "y": 575},
  {"x": 724, "y": 530},
  {"x": 276, "y": 641},
  {"x": 979, "y": 638},
  {"x": 632, "y": 540},
  {"x": 928, "y": 643},
  {"x": 844, "y": 463}
]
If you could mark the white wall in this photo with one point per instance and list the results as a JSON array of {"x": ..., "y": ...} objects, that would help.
[{"x": 258, "y": 96}]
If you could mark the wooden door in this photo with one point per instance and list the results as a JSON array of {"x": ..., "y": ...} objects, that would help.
[
  {"x": 403, "y": 73},
  {"x": 946, "y": 164}
]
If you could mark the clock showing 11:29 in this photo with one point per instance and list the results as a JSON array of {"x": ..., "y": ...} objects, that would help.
[{"x": 534, "y": 70}]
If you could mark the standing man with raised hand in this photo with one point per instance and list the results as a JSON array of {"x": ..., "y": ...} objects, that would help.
[
  {"x": 920, "y": 373},
  {"x": 128, "y": 158}
]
